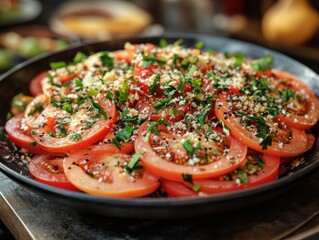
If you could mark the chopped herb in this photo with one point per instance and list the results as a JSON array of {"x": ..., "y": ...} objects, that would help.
[
  {"x": 188, "y": 145},
  {"x": 156, "y": 84},
  {"x": 38, "y": 107},
  {"x": 93, "y": 92},
  {"x": 187, "y": 177},
  {"x": 153, "y": 127},
  {"x": 149, "y": 60},
  {"x": 196, "y": 187},
  {"x": 162, "y": 103},
  {"x": 134, "y": 164},
  {"x": 286, "y": 94},
  {"x": 109, "y": 95},
  {"x": 178, "y": 42},
  {"x": 181, "y": 85},
  {"x": 78, "y": 83},
  {"x": 163, "y": 43},
  {"x": 126, "y": 117},
  {"x": 19, "y": 102},
  {"x": 226, "y": 129},
  {"x": 263, "y": 63},
  {"x": 173, "y": 112},
  {"x": 175, "y": 59},
  {"x": 241, "y": 176},
  {"x": 75, "y": 137},
  {"x": 67, "y": 107},
  {"x": 201, "y": 118},
  {"x": 99, "y": 108},
  {"x": 123, "y": 135},
  {"x": 107, "y": 61},
  {"x": 123, "y": 92},
  {"x": 79, "y": 57},
  {"x": 56, "y": 65},
  {"x": 191, "y": 71},
  {"x": 33, "y": 144},
  {"x": 199, "y": 45}
]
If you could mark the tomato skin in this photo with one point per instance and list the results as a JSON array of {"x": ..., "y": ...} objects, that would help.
[
  {"x": 39, "y": 170},
  {"x": 310, "y": 141},
  {"x": 65, "y": 144},
  {"x": 116, "y": 184},
  {"x": 22, "y": 138},
  {"x": 30, "y": 119},
  {"x": 19, "y": 103},
  {"x": 268, "y": 174},
  {"x": 36, "y": 84},
  {"x": 176, "y": 189},
  {"x": 312, "y": 104},
  {"x": 172, "y": 171},
  {"x": 296, "y": 146}
]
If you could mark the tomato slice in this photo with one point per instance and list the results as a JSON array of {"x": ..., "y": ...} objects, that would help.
[
  {"x": 297, "y": 142},
  {"x": 177, "y": 172},
  {"x": 105, "y": 175},
  {"x": 20, "y": 135},
  {"x": 33, "y": 110},
  {"x": 36, "y": 84},
  {"x": 267, "y": 174},
  {"x": 142, "y": 75},
  {"x": 106, "y": 146},
  {"x": 49, "y": 170},
  {"x": 176, "y": 189},
  {"x": 310, "y": 141},
  {"x": 301, "y": 115},
  {"x": 84, "y": 137},
  {"x": 173, "y": 113},
  {"x": 19, "y": 103}
]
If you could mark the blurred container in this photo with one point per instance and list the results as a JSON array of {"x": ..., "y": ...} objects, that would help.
[{"x": 100, "y": 19}]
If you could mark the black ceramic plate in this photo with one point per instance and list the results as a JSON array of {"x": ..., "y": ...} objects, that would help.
[{"x": 17, "y": 80}]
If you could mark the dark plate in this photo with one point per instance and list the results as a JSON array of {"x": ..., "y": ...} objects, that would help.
[{"x": 17, "y": 80}]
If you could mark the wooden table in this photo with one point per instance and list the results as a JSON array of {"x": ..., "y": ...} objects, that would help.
[{"x": 294, "y": 214}]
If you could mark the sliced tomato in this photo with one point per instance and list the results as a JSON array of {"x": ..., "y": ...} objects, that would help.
[
  {"x": 142, "y": 75},
  {"x": 296, "y": 145},
  {"x": 36, "y": 84},
  {"x": 105, "y": 175},
  {"x": 177, "y": 172},
  {"x": 20, "y": 135},
  {"x": 310, "y": 141},
  {"x": 173, "y": 113},
  {"x": 267, "y": 174},
  {"x": 19, "y": 103},
  {"x": 87, "y": 137},
  {"x": 33, "y": 110},
  {"x": 176, "y": 189},
  {"x": 105, "y": 146},
  {"x": 303, "y": 115},
  {"x": 49, "y": 170}
]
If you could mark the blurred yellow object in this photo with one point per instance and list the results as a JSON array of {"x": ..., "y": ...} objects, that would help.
[
  {"x": 100, "y": 19},
  {"x": 291, "y": 22}
]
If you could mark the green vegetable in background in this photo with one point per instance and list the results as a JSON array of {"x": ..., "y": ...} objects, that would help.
[
  {"x": 6, "y": 59},
  {"x": 30, "y": 47}
]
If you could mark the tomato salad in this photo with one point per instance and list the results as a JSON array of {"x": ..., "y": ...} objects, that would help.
[{"x": 182, "y": 121}]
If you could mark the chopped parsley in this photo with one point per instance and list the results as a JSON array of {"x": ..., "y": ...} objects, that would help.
[
  {"x": 263, "y": 63},
  {"x": 75, "y": 137},
  {"x": 149, "y": 60},
  {"x": 107, "y": 61},
  {"x": 134, "y": 163},
  {"x": 122, "y": 136},
  {"x": 156, "y": 84},
  {"x": 56, "y": 65}
]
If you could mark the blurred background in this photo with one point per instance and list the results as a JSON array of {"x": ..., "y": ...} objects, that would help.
[{"x": 31, "y": 27}]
